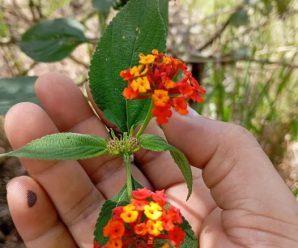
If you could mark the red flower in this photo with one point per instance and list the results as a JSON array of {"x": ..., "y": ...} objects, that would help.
[
  {"x": 140, "y": 229},
  {"x": 114, "y": 229},
  {"x": 160, "y": 197},
  {"x": 96, "y": 245},
  {"x": 185, "y": 88},
  {"x": 180, "y": 105},
  {"x": 129, "y": 93},
  {"x": 141, "y": 194},
  {"x": 154, "y": 219},
  {"x": 139, "y": 204},
  {"x": 126, "y": 75},
  {"x": 166, "y": 81},
  {"x": 176, "y": 236},
  {"x": 162, "y": 114}
]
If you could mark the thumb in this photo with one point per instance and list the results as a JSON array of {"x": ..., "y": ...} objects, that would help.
[{"x": 235, "y": 168}]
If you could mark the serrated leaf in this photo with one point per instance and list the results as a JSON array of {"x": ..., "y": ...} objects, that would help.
[
  {"x": 52, "y": 40},
  {"x": 157, "y": 144},
  {"x": 15, "y": 90},
  {"x": 106, "y": 211},
  {"x": 62, "y": 146},
  {"x": 103, "y": 5},
  {"x": 138, "y": 28},
  {"x": 191, "y": 241}
]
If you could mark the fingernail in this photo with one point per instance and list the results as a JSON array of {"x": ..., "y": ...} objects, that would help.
[{"x": 31, "y": 198}]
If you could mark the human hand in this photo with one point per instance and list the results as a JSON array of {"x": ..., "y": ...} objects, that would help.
[{"x": 245, "y": 202}]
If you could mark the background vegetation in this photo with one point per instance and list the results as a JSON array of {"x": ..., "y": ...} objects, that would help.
[{"x": 243, "y": 52}]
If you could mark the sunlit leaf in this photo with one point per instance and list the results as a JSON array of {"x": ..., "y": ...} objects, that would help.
[{"x": 62, "y": 146}]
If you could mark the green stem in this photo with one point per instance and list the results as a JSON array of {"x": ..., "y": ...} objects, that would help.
[
  {"x": 127, "y": 163},
  {"x": 146, "y": 121}
]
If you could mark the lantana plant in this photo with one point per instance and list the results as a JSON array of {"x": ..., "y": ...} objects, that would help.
[{"x": 133, "y": 81}]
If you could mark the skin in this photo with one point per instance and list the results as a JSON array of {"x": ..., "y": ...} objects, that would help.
[{"x": 238, "y": 199}]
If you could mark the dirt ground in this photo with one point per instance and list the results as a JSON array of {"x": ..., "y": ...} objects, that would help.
[{"x": 9, "y": 168}]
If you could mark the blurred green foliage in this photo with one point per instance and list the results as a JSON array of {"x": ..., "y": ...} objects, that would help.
[{"x": 15, "y": 90}]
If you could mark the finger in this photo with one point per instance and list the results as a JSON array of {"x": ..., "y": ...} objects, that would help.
[
  {"x": 69, "y": 187},
  {"x": 35, "y": 216},
  {"x": 58, "y": 94},
  {"x": 199, "y": 205},
  {"x": 234, "y": 166},
  {"x": 213, "y": 235}
]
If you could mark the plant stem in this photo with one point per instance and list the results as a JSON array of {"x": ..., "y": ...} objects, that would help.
[
  {"x": 127, "y": 163},
  {"x": 146, "y": 121}
]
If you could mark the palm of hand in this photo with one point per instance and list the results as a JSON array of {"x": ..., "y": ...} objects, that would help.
[{"x": 70, "y": 193}]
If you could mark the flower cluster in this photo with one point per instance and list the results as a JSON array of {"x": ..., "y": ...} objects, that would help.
[
  {"x": 164, "y": 79},
  {"x": 145, "y": 221}
]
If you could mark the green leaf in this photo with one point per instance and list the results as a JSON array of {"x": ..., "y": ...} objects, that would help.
[
  {"x": 164, "y": 11},
  {"x": 240, "y": 18},
  {"x": 103, "y": 6},
  {"x": 106, "y": 211},
  {"x": 15, "y": 90},
  {"x": 52, "y": 40},
  {"x": 138, "y": 28},
  {"x": 154, "y": 143},
  {"x": 191, "y": 240},
  {"x": 62, "y": 146},
  {"x": 157, "y": 144},
  {"x": 282, "y": 5}
]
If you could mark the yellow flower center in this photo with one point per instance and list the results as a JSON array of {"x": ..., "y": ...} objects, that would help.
[
  {"x": 160, "y": 97},
  {"x": 154, "y": 227},
  {"x": 129, "y": 214},
  {"x": 140, "y": 84},
  {"x": 153, "y": 211},
  {"x": 146, "y": 60}
]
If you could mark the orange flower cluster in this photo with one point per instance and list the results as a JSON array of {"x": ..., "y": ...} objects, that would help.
[
  {"x": 146, "y": 220},
  {"x": 166, "y": 81}
]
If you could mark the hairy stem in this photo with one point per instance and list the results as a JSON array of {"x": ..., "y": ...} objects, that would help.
[
  {"x": 146, "y": 121},
  {"x": 127, "y": 163}
]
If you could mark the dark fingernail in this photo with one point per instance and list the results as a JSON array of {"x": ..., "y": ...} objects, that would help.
[{"x": 31, "y": 198}]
